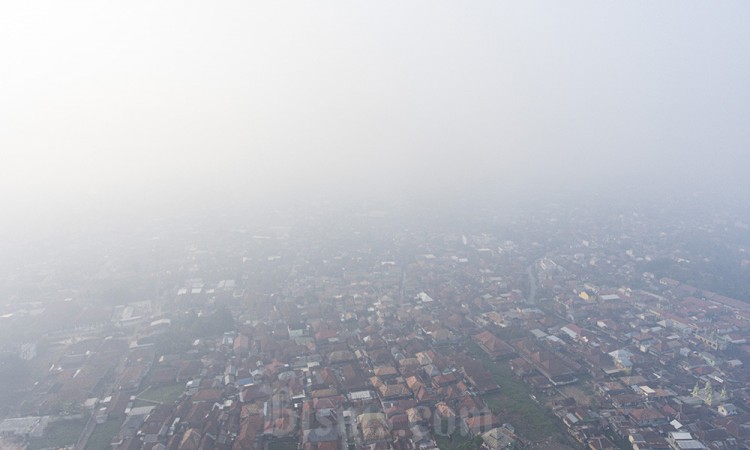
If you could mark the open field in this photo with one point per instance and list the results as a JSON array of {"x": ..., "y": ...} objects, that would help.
[
  {"x": 162, "y": 394},
  {"x": 103, "y": 434},
  {"x": 60, "y": 433},
  {"x": 457, "y": 441},
  {"x": 582, "y": 394},
  {"x": 513, "y": 403}
]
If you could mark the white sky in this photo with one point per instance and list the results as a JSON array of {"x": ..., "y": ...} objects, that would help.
[{"x": 106, "y": 103}]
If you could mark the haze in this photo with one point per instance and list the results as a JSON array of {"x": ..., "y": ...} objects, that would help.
[{"x": 112, "y": 107}]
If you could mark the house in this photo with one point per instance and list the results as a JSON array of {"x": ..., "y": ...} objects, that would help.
[
  {"x": 479, "y": 377},
  {"x": 250, "y": 428},
  {"x": 296, "y": 329},
  {"x": 494, "y": 347},
  {"x": 684, "y": 441},
  {"x": 479, "y": 424},
  {"x": 394, "y": 391},
  {"x": 623, "y": 359},
  {"x": 374, "y": 428},
  {"x": 499, "y": 438},
  {"x": 445, "y": 415},
  {"x": 727, "y": 409},
  {"x": 601, "y": 443},
  {"x": 644, "y": 417},
  {"x": 647, "y": 440}
]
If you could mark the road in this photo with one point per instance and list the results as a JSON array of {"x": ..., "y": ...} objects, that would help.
[{"x": 108, "y": 390}]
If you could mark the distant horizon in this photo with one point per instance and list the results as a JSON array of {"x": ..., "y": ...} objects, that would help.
[{"x": 125, "y": 110}]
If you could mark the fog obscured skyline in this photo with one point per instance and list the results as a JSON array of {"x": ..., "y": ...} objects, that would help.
[{"x": 115, "y": 106}]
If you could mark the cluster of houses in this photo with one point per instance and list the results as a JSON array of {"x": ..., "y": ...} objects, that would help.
[
  {"x": 322, "y": 381},
  {"x": 385, "y": 339}
]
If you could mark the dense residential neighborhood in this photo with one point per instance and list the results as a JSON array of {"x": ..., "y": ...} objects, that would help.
[
  {"x": 374, "y": 225},
  {"x": 552, "y": 330}
]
